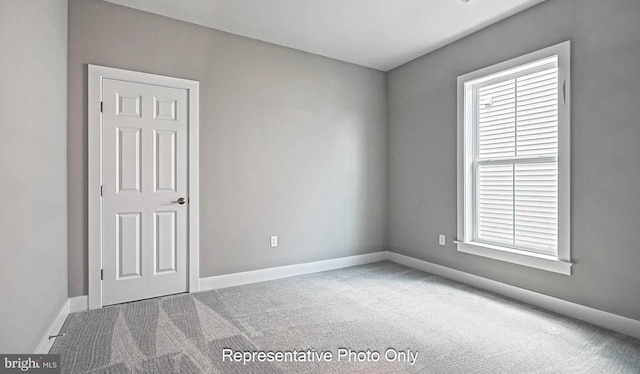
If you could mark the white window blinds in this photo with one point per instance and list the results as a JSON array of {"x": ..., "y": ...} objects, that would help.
[{"x": 516, "y": 158}]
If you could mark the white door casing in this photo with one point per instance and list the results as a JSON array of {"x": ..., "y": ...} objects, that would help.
[{"x": 143, "y": 154}]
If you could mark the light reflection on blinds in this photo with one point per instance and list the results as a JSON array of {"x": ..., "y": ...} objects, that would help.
[{"x": 516, "y": 160}]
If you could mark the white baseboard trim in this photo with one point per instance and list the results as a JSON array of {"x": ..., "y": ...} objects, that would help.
[
  {"x": 254, "y": 276},
  {"x": 45, "y": 343},
  {"x": 598, "y": 317},
  {"x": 78, "y": 304},
  {"x": 81, "y": 303}
]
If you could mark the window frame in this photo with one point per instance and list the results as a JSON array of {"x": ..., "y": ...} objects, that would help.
[{"x": 466, "y": 178}]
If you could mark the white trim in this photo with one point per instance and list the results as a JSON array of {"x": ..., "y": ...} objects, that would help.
[
  {"x": 598, "y": 317},
  {"x": 530, "y": 259},
  {"x": 78, "y": 304},
  {"x": 564, "y": 152},
  {"x": 96, "y": 74},
  {"x": 465, "y": 149},
  {"x": 45, "y": 343},
  {"x": 254, "y": 276},
  {"x": 194, "y": 185},
  {"x": 81, "y": 303}
]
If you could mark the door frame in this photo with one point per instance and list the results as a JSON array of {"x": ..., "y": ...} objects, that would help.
[{"x": 96, "y": 74}]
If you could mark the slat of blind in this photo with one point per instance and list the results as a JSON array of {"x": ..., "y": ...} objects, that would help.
[
  {"x": 543, "y": 129},
  {"x": 541, "y": 111},
  {"x": 537, "y": 102},
  {"x": 532, "y": 123},
  {"x": 498, "y": 128},
  {"x": 497, "y": 87},
  {"x": 535, "y": 75}
]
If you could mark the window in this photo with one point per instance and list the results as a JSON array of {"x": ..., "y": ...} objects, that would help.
[{"x": 513, "y": 160}]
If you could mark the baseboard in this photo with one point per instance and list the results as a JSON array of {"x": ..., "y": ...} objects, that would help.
[
  {"x": 598, "y": 317},
  {"x": 45, "y": 343},
  {"x": 254, "y": 276},
  {"x": 81, "y": 303},
  {"x": 78, "y": 304}
]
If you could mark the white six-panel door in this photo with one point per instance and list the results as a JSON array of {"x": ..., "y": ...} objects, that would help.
[{"x": 144, "y": 197}]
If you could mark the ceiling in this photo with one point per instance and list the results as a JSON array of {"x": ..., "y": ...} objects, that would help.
[{"x": 380, "y": 34}]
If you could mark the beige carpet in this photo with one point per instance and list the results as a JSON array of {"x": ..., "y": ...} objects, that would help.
[{"x": 452, "y": 327}]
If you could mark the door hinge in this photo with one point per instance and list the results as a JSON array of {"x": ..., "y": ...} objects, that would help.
[
  {"x": 101, "y": 274},
  {"x": 100, "y": 190},
  {"x": 101, "y": 107}
]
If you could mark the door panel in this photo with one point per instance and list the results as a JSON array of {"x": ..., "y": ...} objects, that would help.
[
  {"x": 165, "y": 160},
  {"x": 165, "y": 245},
  {"x": 128, "y": 148},
  {"x": 144, "y": 172},
  {"x": 128, "y": 241}
]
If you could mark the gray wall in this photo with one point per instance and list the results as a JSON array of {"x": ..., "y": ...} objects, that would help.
[
  {"x": 292, "y": 144},
  {"x": 33, "y": 163},
  {"x": 605, "y": 149}
]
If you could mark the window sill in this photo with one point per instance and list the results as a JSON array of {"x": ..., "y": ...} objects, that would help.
[{"x": 533, "y": 260}]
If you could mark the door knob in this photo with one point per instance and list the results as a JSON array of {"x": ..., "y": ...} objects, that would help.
[{"x": 181, "y": 200}]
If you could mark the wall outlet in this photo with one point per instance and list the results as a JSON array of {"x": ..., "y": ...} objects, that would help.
[
  {"x": 441, "y": 240},
  {"x": 274, "y": 241}
]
